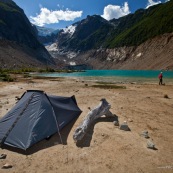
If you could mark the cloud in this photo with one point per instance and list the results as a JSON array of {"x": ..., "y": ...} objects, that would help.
[
  {"x": 167, "y": 0},
  {"x": 115, "y": 11},
  {"x": 151, "y": 3},
  {"x": 48, "y": 17}
]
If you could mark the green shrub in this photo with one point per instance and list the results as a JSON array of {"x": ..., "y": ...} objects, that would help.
[
  {"x": 26, "y": 76},
  {"x": 6, "y": 77}
]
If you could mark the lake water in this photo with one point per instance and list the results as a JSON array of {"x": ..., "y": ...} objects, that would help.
[{"x": 117, "y": 75}]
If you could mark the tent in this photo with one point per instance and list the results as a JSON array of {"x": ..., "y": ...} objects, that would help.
[{"x": 35, "y": 117}]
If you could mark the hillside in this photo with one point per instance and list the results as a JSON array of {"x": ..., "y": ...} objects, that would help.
[
  {"x": 154, "y": 54},
  {"x": 16, "y": 29},
  {"x": 142, "y": 25},
  {"x": 13, "y": 55}
]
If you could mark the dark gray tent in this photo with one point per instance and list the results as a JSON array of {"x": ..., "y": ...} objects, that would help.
[{"x": 35, "y": 117}]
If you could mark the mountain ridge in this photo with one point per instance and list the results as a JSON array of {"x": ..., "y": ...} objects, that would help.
[{"x": 130, "y": 30}]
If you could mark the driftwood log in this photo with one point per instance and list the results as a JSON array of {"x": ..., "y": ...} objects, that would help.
[{"x": 100, "y": 110}]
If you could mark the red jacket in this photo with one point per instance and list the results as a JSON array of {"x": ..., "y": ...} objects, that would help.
[{"x": 160, "y": 76}]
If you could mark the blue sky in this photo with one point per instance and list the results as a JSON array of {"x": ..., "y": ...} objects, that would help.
[{"x": 61, "y": 13}]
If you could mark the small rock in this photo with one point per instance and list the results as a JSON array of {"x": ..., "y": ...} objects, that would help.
[
  {"x": 166, "y": 96},
  {"x": 150, "y": 145},
  {"x": 86, "y": 84},
  {"x": 17, "y": 98},
  {"x": 3, "y": 156},
  {"x": 116, "y": 123},
  {"x": 124, "y": 126},
  {"x": 103, "y": 134},
  {"x": 56, "y": 143},
  {"x": 145, "y": 134},
  {"x": 7, "y": 166},
  {"x": 130, "y": 120}
]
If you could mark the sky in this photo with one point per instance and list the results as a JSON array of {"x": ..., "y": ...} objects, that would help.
[{"x": 59, "y": 14}]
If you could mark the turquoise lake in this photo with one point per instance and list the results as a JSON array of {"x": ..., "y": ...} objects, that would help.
[{"x": 117, "y": 75}]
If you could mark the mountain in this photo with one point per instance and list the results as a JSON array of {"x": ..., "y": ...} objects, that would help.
[
  {"x": 131, "y": 30},
  {"x": 88, "y": 34},
  {"x": 99, "y": 43},
  {"x": 78, "y": 37},
  {"x": 17, "y": 31}
]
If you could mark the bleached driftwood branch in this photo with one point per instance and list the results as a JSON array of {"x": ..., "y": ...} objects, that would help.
[{"x": 100, "y": 110}]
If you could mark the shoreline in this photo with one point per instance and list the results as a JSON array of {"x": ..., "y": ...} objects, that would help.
[
  {"x": 116, "y": 76},
  {"x": 113, "y": 80}
]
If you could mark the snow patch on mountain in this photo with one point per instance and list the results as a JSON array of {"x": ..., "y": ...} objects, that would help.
[
  {"x": 72, "y": 63},
  {"x": 71, "y": 29},
  {"x": 139, "y": 55},
  {"x": 71, "y": 55},
  {"x": 52, "y": 47}
]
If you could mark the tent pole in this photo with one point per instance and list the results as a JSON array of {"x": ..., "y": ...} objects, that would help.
[
  {"x": 57, "y": 126},
  {"x": 55, "y": 119}
]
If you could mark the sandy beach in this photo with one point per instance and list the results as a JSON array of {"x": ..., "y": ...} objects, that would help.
[{"x": 105, "y": 148}]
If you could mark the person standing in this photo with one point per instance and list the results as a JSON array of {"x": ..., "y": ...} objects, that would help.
[{"x": 160, "y": 78}]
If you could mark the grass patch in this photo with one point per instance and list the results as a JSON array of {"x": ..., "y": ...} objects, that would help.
[
  {"x": 26, "y": 76},
  {"x": 107, "y": 86},
  {"x": 6, "y": 77}
]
